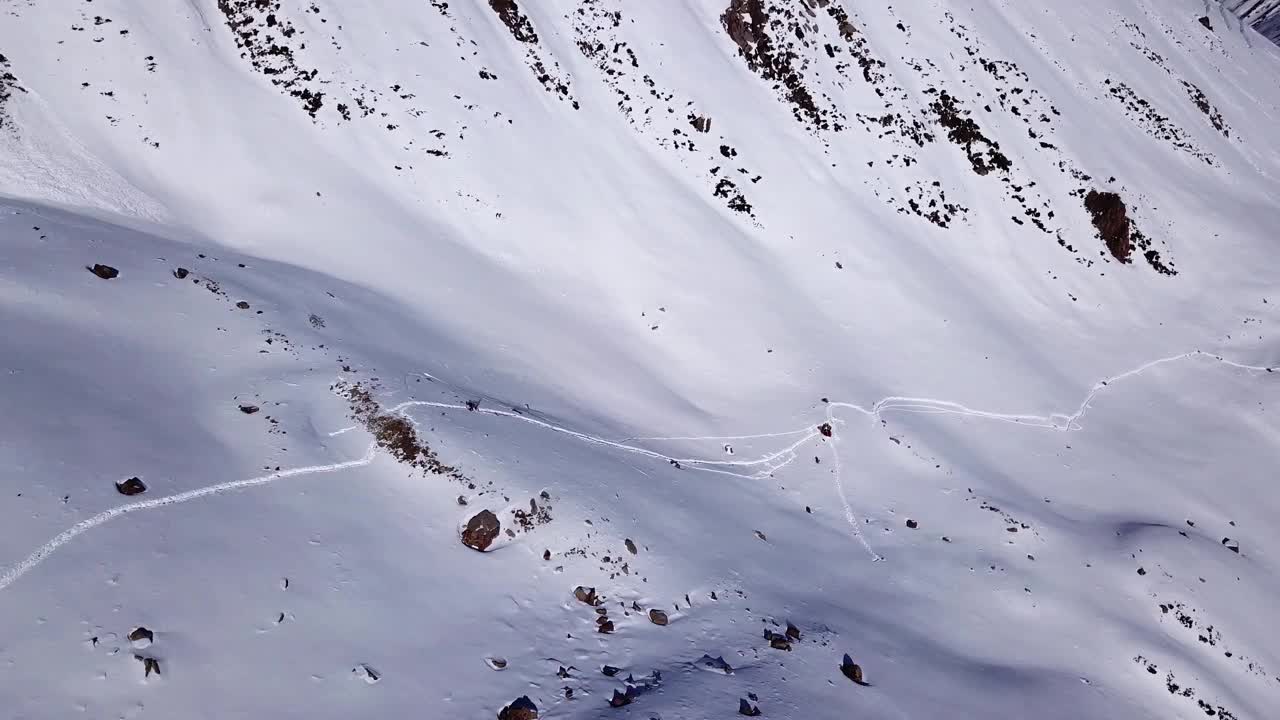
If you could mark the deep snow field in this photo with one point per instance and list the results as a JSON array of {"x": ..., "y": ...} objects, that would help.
[{"x": 732, "y": 336}]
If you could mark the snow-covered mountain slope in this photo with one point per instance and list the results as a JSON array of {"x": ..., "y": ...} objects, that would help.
[{"x": 941, "y": 332}]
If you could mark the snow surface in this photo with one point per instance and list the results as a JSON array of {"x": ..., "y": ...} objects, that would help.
[{"x": 527, "y": 250}]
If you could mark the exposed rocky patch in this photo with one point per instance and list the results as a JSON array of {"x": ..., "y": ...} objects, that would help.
[
  {"x": 269, "y": 41},
  {"x": 1120, "y": 234},
  {"x": 1202, "y": 103},
  {"x": 8, "y": 86},
  {"x": 522, "y": 29},
  {"x": 395, "y": 434},
  {"x": 522, "y": 708},
  {"x": 651, "y": 109},
  {"x": 1144, "y": 115},
  {"x": 984, "y": 154}
]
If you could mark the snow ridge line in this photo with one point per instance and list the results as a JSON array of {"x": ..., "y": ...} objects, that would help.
[
  {"x": 771, "y": 462},
  {"x": 42, "y": 553}
]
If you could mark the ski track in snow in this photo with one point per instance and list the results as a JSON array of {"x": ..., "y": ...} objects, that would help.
[{"x": 771, "y": 462}]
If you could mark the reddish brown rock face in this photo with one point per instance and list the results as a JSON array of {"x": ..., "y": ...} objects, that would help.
[{"x": 480, "y": 531}]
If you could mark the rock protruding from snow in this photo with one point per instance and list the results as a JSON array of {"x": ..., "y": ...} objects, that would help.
[
  {"x": 586, "y": 595},
  {"x": 141, "y": 638},
  {"x": 132, "y": 486},
  {"x": 746, "y": 708},
  {"x": 522, "y": 708},
  {"x": 851, "y": 670},
  {"x": 366, "y": 673},
  {"x": 106, "y": 272},
  {"x": 658, "y": 617},
  {"x": 149, "y": 665},
  {"x": 481, "y": 530}
]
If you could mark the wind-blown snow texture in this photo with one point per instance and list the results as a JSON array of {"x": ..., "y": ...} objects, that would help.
[{"x": 941, "y": 331}]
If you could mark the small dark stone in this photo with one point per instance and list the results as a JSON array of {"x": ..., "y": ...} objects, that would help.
[
  {"x": 132, "y": 486},
  {"x": 658, "y": 617},
  {"x": 620, "y": 699},
  {"x": 248, "y": 409},
  {"x": 610, "y": 671},
  {"x": 546, "y": 554},
  {"x": 481, "y": 530},
  {"x": 1204, "y": 20},
  {"x": 142, "y": 634},
  {"x": 825, "y": 429},
  {"x": 604, "y": 625},
  {"x": 106, "y": 272},
  {"x": 586, "y": 595},
  {"x": 746, "y": 708},
  {"x": 793, "y": 632},
  {"x": 912, "y": 524},
  {"x": 181, "y": 273},
  {"x": 631, "y": 547},
  {"x": 1142, "y": 571},
  {"x": 242, "y": 305}
]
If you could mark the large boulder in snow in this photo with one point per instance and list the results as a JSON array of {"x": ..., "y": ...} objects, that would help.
[{"x": 481, "y": 530}]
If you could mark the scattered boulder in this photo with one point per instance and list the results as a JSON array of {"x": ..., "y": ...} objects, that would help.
[
  {"x": 481, "y": 530},
  {"x": 852, "y": 670},
  {"x": 610, "y": 671},
  {"x": 825, "y": 429},
  {"x": 657, "y": 617},
  {"x": 242, "y": 305},
  {"x": 141, "y": 638},
  {"x": 132, "y": 486},
  {"x": 149, "y": 665},
  {"x": 1204, "y": 20},
  {"x": 621, "y": 699},
  {"x": 181, "y": 273},
  {"x": 366, "y": 673},
  {"x": 522, "y": 708},
  {"x": 586, "y": 595},
  {"x": 496, "y": 663},
  {"x": 912, "y": 524},
  {"x": 106, "y": 272},
  {"x": 1232, "y": 545},
  {"x": 746, "y": 708},
  {"x": 604, "y": 625},
  {"x": 777, "y": 641},
  {"x": 248, "y": 409},
  {"x": 793, "y": 632},
  {"x": 631, "y": 547}
]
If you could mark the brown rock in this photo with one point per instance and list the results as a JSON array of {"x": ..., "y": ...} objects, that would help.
[
  {"x": 631, "y": 547},
  {"x": 657, "y": 617},
  {"x": 1112, "y": 222},
  {"x": 852, "y": 670},
  {"x": 620, "y": 699},
  {"x": 825, "y": 429},
  {"x": 793, "y": 632},
  {"x": 586, "y": 595},
  {"x": 142, "y": 637},
  {"x": 106, "y": 272},
  {"x": 481, "y": 529},
  {"x": 604, "y": 625},
  {"x": 132, "y": 486}
]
